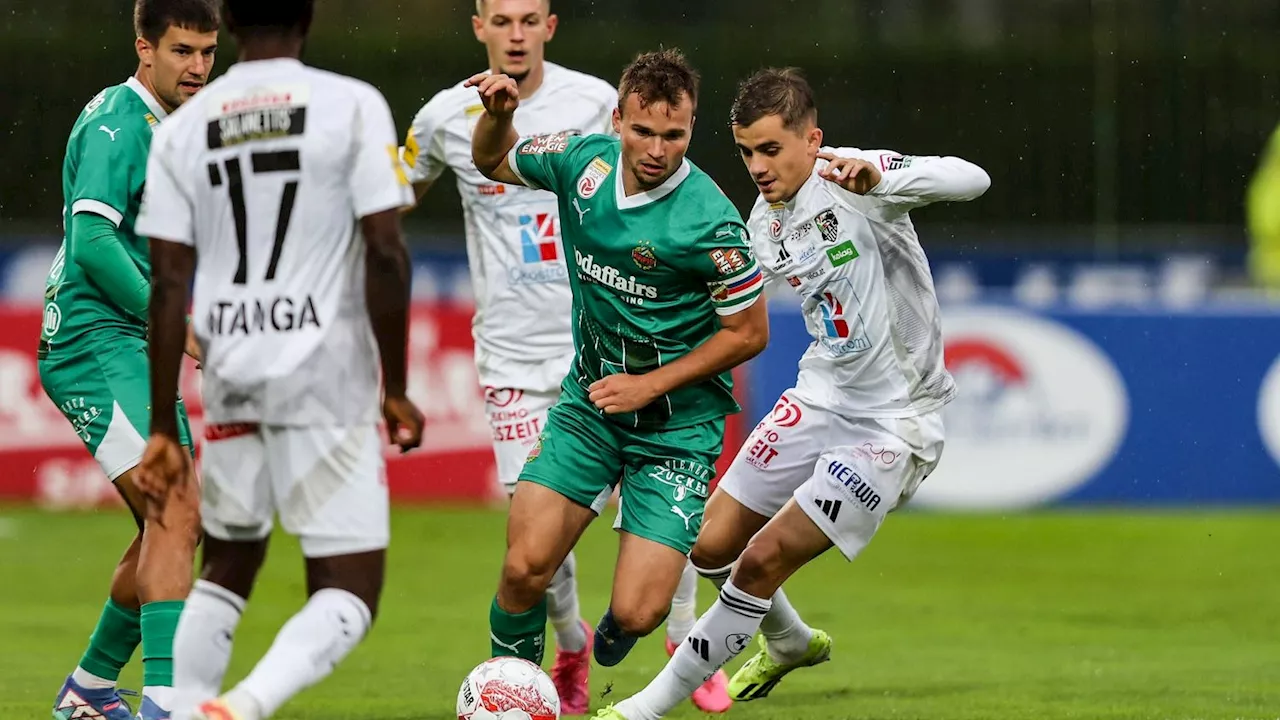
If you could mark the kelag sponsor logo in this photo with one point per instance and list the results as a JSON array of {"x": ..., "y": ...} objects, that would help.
[{"x": 1039, "y": 411}]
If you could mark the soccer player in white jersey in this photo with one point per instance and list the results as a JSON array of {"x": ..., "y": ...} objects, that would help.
[
  {"x": 862, "y": 428},
  {"x": 287, "y": 183},
  {"x": 524, "y": 345}
]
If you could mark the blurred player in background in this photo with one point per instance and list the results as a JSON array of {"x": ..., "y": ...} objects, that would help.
[
  {"x": 286, "y": 181},
  {"x": 664, "y": 305},
  {"x": 524, "y": 345},
  {"x": 862, "y": 427},
  {"x": 93, "y": 349},
  {"x": 1262, "y": 211}
]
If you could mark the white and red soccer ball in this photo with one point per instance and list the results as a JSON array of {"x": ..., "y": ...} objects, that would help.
[{"x": 508, "y": 688}]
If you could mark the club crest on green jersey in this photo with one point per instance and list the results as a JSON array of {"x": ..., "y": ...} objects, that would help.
[
  {"x": 591, "y": 179},
  {"x": 643, "y": 255}
]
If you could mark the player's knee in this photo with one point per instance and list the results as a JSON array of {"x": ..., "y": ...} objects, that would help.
[
  {"x": 526, "y": 573},
  {"x": 760, "y": 565},
  {"x": 711, "y": 556},
  {"x": 639, "y": 618}
]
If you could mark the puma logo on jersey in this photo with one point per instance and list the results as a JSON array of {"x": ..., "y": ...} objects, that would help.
[
  {"x": 582, "y": 212},
  {"x": 109, "y": 131},
  {"x": 686, "y": 518}
]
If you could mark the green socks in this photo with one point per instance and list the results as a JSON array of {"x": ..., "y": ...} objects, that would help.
[
  {"x": 118, "y": 633},
  {"x": 159, "y": 621},
  {"x": 522, "y": 635}
]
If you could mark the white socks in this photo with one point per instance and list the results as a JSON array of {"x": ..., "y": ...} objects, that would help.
[
  {"x": 786, "y": 635},
  {"x": 202, "y": 645},
  {"x": 305, "y": 651},
  {"x": 684, "y": 606},
  {"x": 718, "y": 636},
  {"x": 89, "y": 681},
  {"x": 562, "y": 607}
]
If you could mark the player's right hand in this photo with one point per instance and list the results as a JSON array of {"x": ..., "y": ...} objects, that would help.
[
  {"x": 164, "y": 464},
  {"x": 404, "y": 422},
  {"x": 498, "y": 92}
]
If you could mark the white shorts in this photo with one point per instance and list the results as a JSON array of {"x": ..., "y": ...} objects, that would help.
[
  {"x": 845, "y": 473},
  {"x": 327, "y": 483},
  {"x": 516, "y": 418}
]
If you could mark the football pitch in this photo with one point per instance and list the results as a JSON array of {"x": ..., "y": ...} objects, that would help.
[{"x": 1093, "y": 615}]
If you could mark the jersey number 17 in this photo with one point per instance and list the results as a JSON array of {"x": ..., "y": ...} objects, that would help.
[{"x": 261, "y": 163}]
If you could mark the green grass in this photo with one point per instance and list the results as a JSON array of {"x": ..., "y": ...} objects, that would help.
[{"x": 1098, "y": 616}]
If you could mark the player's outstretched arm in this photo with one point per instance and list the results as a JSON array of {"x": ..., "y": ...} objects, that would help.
[
  {"x": 387, "y": 297},
  {"x": 907, "y": 180},
  {"x": 495, "y": 133},
  {"x": 741, "y": 337}
]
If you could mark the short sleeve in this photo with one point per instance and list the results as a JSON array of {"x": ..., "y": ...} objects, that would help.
[
  {"x": 423, "y": 151},
  {"x": 378, "y": 181},
  {"x": 723, "y": 259},
  {"x": 167, "y": 210},
  {"x": 541, "y": 161},
  {"x": 111, "y": 166}
]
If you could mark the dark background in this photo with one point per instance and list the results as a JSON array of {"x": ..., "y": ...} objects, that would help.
[{"x": 1106, "y": 126}]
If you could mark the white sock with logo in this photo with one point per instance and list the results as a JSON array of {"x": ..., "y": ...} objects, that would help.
[
  {"x": 786, "y": 634},
  {"x": 718, "y": 636}
]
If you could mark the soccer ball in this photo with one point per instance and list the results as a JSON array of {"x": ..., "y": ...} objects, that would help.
[{"x": 508, "y": 688}]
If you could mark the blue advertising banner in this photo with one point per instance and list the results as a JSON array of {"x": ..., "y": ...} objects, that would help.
[{"x": 1091, "y": 407}]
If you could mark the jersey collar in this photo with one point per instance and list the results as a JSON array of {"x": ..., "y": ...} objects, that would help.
[
  {"x": 648, "y": 196},
  {"x": 147, "y": 98},
  {"x": 254, "y": 65}
]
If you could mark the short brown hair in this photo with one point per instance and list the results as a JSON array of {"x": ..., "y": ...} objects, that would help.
[
  {"x": 775, "y": 91},
  {"x": 659, "y": 76},
  {"x": 152, "y": 18}
]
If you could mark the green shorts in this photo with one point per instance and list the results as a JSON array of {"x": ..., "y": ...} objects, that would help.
[
  {"x": 664, "y": 474},
  {"x": 104, "y": 389}
]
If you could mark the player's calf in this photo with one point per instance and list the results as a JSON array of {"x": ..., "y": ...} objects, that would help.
[{"x": 644, "y": 582}]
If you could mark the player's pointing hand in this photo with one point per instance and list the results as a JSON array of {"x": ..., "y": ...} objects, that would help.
[
  {"x": 852, "y": 174},
  {"x": 622, "y": 393},
  {"x": 498, "y": 92}
]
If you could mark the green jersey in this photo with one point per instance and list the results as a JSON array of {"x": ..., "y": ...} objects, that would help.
[
  {"x": 651, "y": 271},
  {"x": 102, "y": 173}
]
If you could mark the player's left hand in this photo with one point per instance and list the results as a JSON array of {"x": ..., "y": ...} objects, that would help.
[
  {"x": 164, "y": 464},
  {"x": 623, "y": 393},
  {"x": 852, "y": 174}
]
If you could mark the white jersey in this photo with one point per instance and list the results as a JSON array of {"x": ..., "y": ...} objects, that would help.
[
  {"x": 867, "y": 293},
  {"x": 266, "y": 172},
  {"x": 518, "y": 271}
]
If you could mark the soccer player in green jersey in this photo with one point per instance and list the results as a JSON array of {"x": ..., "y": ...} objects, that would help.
[
  {"x": 665, "y": 294},
  {"x": 93, "y": 349}
]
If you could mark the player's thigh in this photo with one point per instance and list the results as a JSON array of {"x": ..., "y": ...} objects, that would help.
[
  {"x": 665, "y": 480},
  {"x": 236, "y": 498},
  {"x": 577, "y": 455},
  {"x": 778, "y": 456},
  {"x": 877, "y": 465},
  {"x": 329, "y": 486},
  {"x": 727, "y": 527},
  {"x": 516, "y": 419}
]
